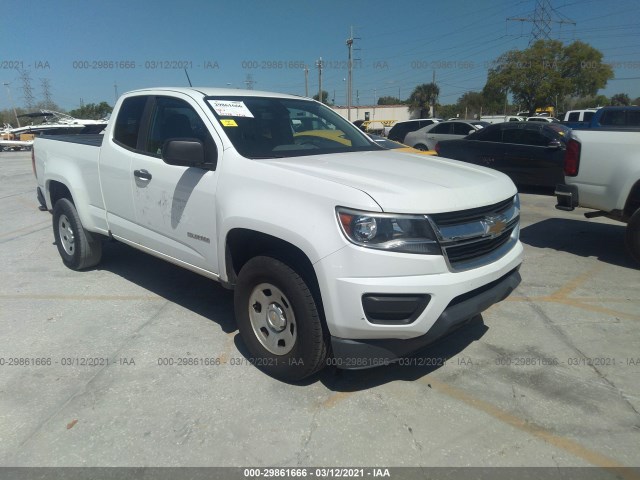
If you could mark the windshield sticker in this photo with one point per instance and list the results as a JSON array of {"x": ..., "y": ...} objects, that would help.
[
  {"x": 230, "y": 108},
  {"x": 228, "y": 122}
]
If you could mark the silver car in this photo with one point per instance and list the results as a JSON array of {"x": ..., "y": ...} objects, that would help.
[{"x": 427, "y": 137}]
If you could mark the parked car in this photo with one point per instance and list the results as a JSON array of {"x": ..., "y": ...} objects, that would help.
[
  {"x": 574, "y": 118},
  {"x": 531, "y": 153},
  {"x": 400, "y": 129},
  {"x": 399, "y": 147},
  {"x": 543, "y": 119},
  {"x": 611, "y": 118},
  {"x": 501, "y": 118},
  {"x": 427, "y": 137},
  {"x": 606, "y": 183}
]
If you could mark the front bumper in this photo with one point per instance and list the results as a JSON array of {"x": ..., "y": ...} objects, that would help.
[{"x": 366, "y": 353}]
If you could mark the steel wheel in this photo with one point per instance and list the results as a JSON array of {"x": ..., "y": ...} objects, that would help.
[
  {"x": 272, "y": 319},
  {"x": 67, "y": 237},
  {"x": 77, "y": 247}
]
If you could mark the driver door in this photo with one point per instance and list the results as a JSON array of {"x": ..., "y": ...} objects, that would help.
[{"x": 175, "y": 205}]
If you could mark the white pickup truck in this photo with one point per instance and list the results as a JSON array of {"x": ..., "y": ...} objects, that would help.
[
  {"x": 604, "y": 175},
  {"x": 339, "y": 252}
]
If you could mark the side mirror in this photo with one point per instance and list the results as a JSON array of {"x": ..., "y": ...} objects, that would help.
[
  {"x": 184, "y": 152},
  {"x": 554, "y": 145},
  {"x": 471, "y": 131}
]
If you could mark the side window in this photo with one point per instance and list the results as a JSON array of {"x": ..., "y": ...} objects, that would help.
[
  {"x": 173, "y": 118},
  {"x": 531, "y": 137},
  {"x": 512, "y": 135},
  {"x": 127, "y": 125},
  {"x": 587, "y": 116},
  {"x": 633, "y": 118},
  {"x": 441, "y": 128},
  {"x": 574, "y": 117},
  {"x": 613, "y": 117},
  {"x": 461, "y": 129},
  {"x": 489, "y": 134}
]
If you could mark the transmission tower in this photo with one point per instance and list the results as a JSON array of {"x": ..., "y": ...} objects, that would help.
[
  {"x": 27, "y": 92},
  {"x": 542, "y": 19},
  {"x": 249, "y": 82},
  {"x": 46, "y": 93}
]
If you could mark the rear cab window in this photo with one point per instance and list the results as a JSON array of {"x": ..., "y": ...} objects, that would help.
[{"x": 127, "y": 127}]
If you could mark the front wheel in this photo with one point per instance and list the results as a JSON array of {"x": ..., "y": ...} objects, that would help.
[
  {"x": 78, "y": 248},
  {"x": 632, "y": 236},
  {"x": 421, "y": 146},
  {"x": 278, "y": 320}
]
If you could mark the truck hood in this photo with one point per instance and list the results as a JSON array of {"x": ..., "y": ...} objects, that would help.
[{"x": 406, "y": 183}]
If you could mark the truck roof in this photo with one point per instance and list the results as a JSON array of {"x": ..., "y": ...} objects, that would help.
[{"x": 210, "y": 91}]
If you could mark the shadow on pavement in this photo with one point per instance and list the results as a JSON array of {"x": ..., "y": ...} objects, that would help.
[
  {"x": 583, "y": 238},
  {"x": 176, "y": 284},
  {"x": 209, "y": 299}
]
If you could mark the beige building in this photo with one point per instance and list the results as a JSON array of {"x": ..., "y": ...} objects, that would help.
[{"x": 376, "y": 114}]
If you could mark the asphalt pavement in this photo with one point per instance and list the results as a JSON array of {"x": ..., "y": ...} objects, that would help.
[{"x": 138, "y": 363}]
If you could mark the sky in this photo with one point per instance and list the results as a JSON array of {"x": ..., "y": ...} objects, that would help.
[{"x": 90, "y": 51}]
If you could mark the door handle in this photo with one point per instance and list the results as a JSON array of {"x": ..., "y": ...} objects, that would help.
[{"x": 142, "y": 174}]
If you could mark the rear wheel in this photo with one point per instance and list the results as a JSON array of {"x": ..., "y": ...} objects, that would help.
[
  {"x": 421, "y": 146},
  {"x": 279, "y": 321},
  {"x": 632, "y": 236},
  {"x": 78, "y": 248}
]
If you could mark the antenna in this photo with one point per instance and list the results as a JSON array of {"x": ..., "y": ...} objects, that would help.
[{"x": 188, "y": 79}]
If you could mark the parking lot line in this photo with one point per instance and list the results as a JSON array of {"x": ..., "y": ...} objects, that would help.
[
  {"x": 557, "y": 441},
  {"x": 106, "y": 298},
  {"x": 5, "y": 237}
]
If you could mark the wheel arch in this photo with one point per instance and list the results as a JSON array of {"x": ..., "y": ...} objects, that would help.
[
  {"x": 243, "y": 244},
  {"x": 633, "y": 200}
]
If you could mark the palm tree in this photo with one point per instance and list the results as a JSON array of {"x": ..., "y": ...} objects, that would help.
[{"x": 423, "y": 97}]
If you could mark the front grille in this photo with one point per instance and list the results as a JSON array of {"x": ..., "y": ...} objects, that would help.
[
  {"x": 472, "y": 215},
  {"x": 480, "y": 248},
  {"x": 476, "y": 237}
]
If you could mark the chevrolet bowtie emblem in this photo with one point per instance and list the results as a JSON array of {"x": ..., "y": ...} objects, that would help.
[{"x": 494, "y": 226}]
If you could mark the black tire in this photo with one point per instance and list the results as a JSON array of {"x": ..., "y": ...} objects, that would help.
[
  {"x": 279, "y": 320},
  {"x": 632, "y": 236},
  {"x": 78, "y": 248},
  {"x": 421, "y": 146}
]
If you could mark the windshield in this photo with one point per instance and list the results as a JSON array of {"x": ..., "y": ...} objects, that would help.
[{"x": 265, "y": 127}]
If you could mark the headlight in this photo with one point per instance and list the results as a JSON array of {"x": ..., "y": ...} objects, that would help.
[{"x": 391, "y": 232}]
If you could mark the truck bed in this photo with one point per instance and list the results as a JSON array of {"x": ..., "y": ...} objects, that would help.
[{"x": 94, "y": 140}]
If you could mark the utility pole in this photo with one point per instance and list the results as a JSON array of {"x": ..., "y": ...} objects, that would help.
[
  {"x": 319, "y": 65},
  {"x": 115, "y": 92},
  {"x": 306, "y": 81},
  {"x": 350, "y": 74}
]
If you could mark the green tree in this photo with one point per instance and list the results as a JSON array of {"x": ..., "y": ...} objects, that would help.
[
  {"x": 620, "y": 99},
  {"x": 92, "y": 111},
  {"x": 325, "y": 97},
  {"x": 450, "y": 111},
  {"x": 548, "y": 70},
  {"x": 423, "y": 97},
  {"x": 389, "y": 101},
  {"x": 590, "y": 102}
]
